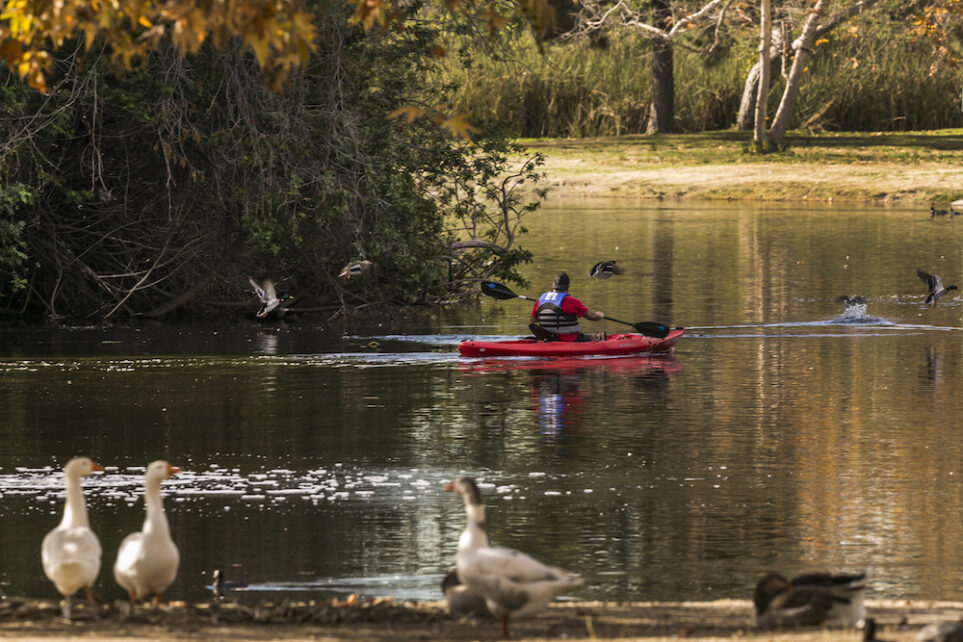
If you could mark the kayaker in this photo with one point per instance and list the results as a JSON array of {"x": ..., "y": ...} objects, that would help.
[{"x": 558, "y": 311}]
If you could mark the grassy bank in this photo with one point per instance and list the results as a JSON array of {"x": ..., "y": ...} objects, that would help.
[{"x": 908, "y": 168}]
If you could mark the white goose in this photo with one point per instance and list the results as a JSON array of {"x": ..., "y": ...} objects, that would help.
[
  {"x": 147, "y": 561},
  {"x": 510, "y": 581},
  {"x": 71, "y": 552}
]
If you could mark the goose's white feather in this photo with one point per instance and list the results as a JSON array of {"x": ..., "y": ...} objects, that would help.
[
  {"x": 71, "y": 552},
  {"x": 147, "y": 561}
]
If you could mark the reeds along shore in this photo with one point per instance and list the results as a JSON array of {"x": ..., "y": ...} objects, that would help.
[{"x": 880, "y": 79}]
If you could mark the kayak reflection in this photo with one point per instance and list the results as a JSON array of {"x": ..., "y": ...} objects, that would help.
[{"x": 560, "y": 387}]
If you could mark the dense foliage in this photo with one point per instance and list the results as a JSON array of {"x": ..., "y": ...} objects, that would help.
[
  {"x": 895, "y": 67},
  {"x": 161, "y": 189}
]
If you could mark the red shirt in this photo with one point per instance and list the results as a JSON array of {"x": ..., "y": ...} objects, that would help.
[{"x": 570, "y": 305}]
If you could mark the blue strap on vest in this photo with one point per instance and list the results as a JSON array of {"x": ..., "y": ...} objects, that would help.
[{"x": 551, "y": 317}]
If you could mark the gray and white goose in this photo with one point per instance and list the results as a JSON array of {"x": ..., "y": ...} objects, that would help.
[{"x": 511, "y": 582}]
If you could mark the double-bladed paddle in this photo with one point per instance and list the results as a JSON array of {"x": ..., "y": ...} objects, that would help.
[{"x": 647, "y": 328}]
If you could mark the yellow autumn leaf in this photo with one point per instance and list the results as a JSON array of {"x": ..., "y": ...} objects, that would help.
[
  {"x": 410, "y": 112},
  {"x": 822, "y": 41},
  {"x": 494, "y": 19},
  {"x": 144, "y": 22},
  {"x": 459, "y": 126},
  {"x": 36, "y": 80}
]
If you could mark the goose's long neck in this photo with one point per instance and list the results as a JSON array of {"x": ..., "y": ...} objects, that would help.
[
  {"x": 474, "y": 536},
  {"x": 75, "y": 509},
  {"x": 156, "y": 521}
]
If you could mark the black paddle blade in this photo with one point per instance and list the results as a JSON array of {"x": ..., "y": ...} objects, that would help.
[
  {"x": 652, "y": 329},
  {"x": 497, "y": 291}
]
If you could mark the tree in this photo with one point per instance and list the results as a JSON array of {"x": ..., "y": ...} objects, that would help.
[
  {"x": 668, "y": 23},
  {"x": 278, "y": 32},
  {"x": 802, "y": 49},
  {"x": 161, "y": 189},
  {"x": 765, "y": 41}
]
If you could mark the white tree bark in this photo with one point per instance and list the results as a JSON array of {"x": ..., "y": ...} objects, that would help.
[
  {"x": 803, "y": 46},
  {"x": 745, "y": 119},
  {"x": 765, "y": 44}
]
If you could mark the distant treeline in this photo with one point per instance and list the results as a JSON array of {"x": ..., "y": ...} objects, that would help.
[{"x": 870, "y": 74}]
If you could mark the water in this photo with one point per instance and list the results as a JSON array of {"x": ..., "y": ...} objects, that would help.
[{"x": 787, "y": 432}]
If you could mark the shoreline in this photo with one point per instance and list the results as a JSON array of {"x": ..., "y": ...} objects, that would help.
[
  {"x": 907, "y": 169},
  {"x": 383, "y": 619}
]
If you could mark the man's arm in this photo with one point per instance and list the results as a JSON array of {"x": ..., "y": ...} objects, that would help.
[{"x": 594, "y": 315}]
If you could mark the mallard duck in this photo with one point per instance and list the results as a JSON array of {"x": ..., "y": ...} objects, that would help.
[
  {"x": 147, "y": 560},
  {"x": 71, "y": 552},
  {"x": 851, "y": 301},
  {"x": 869, "y": 631},
  {"x": 355, "y": 268},
  {"x": 605, "y": 269},
  {"x": 936, "y": 212},
  {"x": 934, "y": 287},
  {"x": 941, "y": 632},
  {"x": 268, "y": 295},
  {"x": 461, "y": 600},
  {"x": 511, "y": 582},
  {"x": 220, "y": 586},
  {"x": 813, "y": 599}
]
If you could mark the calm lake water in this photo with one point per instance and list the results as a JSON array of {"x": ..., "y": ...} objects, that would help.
[{"x": 780, "y": 435}]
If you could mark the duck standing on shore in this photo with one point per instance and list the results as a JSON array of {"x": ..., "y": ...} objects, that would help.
[
  {"x": 812, "y": 599},
  {"x": 511, "y": 582},
  {"x": 147, "y": 561},
  {"x": 460, "y": 599},
  {"x": 71, "y": 552}
]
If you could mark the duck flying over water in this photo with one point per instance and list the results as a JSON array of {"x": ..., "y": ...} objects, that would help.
[
  {"x": 511, "y": 582},
  {"x": 354, "y": 269},
  {"x": 850, "y": 301},
  {"x": 605, "y": 269},
  {"x": 813, "y": 599},
  {"x": 934, "y": 287},
  {"x": 268, "y": 296}
]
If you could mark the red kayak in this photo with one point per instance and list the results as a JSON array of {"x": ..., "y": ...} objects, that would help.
[{"x": 614, "y": 344}]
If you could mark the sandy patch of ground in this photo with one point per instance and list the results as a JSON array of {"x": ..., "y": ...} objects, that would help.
[
  {"x": 385, "y": 620},
  {"x": 870, "y": 182}
]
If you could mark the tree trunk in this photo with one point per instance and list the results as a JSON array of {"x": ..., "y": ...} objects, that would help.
[
  {"x": 747, "y": 106},
  {"x": 745, "y": 119},
  {"x": 765, "y": 45},
  {"x": 662, "y": 112},
  {"x": 803, "y": 48}
]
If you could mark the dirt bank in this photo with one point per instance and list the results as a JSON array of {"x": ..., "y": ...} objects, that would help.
[
  {"x": 853, "y": 167},
  {"x": 385, "y": 620}
]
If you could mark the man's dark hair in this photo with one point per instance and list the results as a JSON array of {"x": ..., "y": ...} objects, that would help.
[{"x": 560, "y": 282}]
